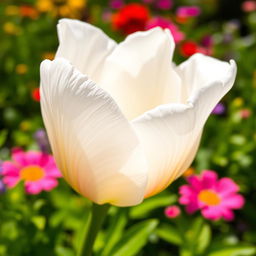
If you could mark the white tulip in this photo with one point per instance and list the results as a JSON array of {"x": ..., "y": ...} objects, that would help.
[{"x": 122, "y": 120}]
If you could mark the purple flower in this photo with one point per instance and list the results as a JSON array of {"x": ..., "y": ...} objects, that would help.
[
  {"x": 219, "y": 109},
  {"x": 188, "y": 11},
  {"x": 1, "y": 167},
  {"x": 2, "y": 187},
  {"x": 42, "y": 140}
]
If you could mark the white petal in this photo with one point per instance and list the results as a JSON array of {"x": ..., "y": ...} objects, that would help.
[
  {"x": 169, "y": 136},
  {"x": 200, "y": 71},
  {"x": 139, "y": 74},
  {"x": 93, "y": 144},
  {"x": 207, "y": 80},
  {"x": 171, "y": 133},
  {"x": 84, "y": 45}
]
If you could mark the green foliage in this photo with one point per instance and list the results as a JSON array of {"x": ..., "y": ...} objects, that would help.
[
  {"x": 170, "y": 234},
  {"x": 150, "y": 204},
  {"x": 134, "y": 239},
  {"x": 234, "y": 251}
]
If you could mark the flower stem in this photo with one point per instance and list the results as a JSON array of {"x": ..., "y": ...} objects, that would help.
[{"x": 96, "y": 220}]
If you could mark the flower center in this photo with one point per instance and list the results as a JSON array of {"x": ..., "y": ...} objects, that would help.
[
  {"x": 209, "y": 197},
  {"x": 32, "y": 173}
]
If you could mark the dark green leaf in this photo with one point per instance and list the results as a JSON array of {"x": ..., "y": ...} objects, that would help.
[{"x": 134, "y": 239}]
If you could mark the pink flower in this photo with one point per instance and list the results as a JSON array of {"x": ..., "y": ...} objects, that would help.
[
  {"x": 166, "y": 23},
  {"x": 172, "y": 211},
  {"x": 188, "y": 11},
  {"x": 215, "y": 198},
  {"x": 245, "y": 113},
  {"x": 38, "y": 171},
  {"x": 116, "y": 4},
  {"x": 164, "y": 4},
  {"x": 249, "y": 6}
]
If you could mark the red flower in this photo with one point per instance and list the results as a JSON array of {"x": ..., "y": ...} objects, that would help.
[
  {"x": 36, "y": 94},
  {"x": 28, "y": 11},
  {"x": 188, "y": 48},
  {"x": 131, "y": 18}
]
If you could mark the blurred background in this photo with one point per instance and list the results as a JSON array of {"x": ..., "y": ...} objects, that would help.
[{"x": 45, "y": 224}]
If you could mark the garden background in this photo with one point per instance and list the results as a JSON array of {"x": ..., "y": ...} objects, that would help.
[{"x": 51, "y": 222}]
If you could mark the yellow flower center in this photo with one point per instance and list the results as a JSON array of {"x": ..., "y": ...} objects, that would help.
[
  {"x": 209, "y": 197},
  {"x": 32, "y": 173}
]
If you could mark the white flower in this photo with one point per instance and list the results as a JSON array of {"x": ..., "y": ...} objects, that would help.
[{"x": 122, "y": 120}]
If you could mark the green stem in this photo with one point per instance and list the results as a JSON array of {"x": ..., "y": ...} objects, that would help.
[{"x": 96, "y": 220}]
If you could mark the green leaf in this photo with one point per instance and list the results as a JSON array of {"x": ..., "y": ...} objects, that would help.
[
  {"x": 204, "y": 238},
  {"x": 143, "y": 210},
  {"x": 234, "y": 251},
  {"x": 134, "y": 239},
  {"x": 39, "y": 221},
  {"x": 185, "y": 252},
  {"x": 197, "y": 227},
  {"x": 61, "y": 251},
  {"x": 169, "y": 233},
  {"x": 3, "y": 137},
  {"x": 115, "y": 230},
  {"x": 193, "y": 231}
]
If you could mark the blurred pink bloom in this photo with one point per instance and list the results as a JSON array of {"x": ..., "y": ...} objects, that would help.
[
  {"x": 116, "y": 4},
  {"x": 188, "y": 11},
  {"x": 107, "y": 15},
  {"x": 172, "y": 211},
  {"x": 245, "y": 113},
  {"x": 38, "y": 171},
  {"x": 166, "y": 23},
  {"x": 215, "y": 198},
  {"x": 164, "y": 4},
  {"x": 205, "y": 50},
  {"x": 249, "y": 6}
]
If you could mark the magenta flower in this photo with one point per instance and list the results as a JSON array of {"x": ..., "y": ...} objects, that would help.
[
  {"x": 215, "y": 198},
  {"x": 207, "y": 41},
  {"x": 188, "y": 11},
  {"x": 172, "y": 212},
  {"x": 164, "y": 4},
  {"x": 116, "y": 4},
  {"x": 166, "y": 23},
  {"x": 38, "y": 171}
]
